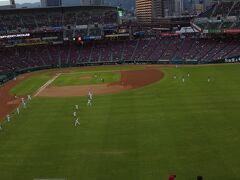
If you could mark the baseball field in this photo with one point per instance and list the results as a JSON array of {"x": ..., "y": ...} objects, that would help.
[{"x": 143, "y": 123}]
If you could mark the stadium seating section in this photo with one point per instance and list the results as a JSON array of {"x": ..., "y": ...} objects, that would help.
[
  {"x": 35, "y": 22},
  {"x": 149, "y": 50}
]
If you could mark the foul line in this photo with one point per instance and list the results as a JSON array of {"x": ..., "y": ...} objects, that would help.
[{"x": 46, "y": 85}]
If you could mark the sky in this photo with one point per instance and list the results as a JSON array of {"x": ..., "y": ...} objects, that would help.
[{"x": 26, "y": 1}]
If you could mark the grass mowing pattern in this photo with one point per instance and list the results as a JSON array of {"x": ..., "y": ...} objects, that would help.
[{"x": 189, "y": 129}]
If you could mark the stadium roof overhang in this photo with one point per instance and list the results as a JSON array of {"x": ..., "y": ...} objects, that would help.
[{"x": 55, "y": 9}]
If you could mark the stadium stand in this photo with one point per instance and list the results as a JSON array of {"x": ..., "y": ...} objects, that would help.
[
  {"x": 153, "y": 50},
  {"x": 74, "y": 36}
]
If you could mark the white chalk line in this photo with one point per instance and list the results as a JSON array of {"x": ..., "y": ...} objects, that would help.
[{"x": 46, "y": 85}]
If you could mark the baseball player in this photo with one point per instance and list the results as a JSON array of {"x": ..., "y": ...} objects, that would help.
[
  {"x": 76, "y": 106},
  {"x": 175, "y": 76},
  {"x": 188, "y": 74},
  {"x": 29, "y": 97},
  {"x": 77, "y": 122},
  {"x": 74, "y": 114},
  {"x": 89, "y": 103},
  {"x": 24, "y": 105},
  {"x": 22, "y": 99},
  {"x": 183, "y": 79},
  {"x": 18, "y": 111},
  {"x": 8, "y": 118},
  {"x": 209, "y": 79},
  {"x": 90, "y": 95}
]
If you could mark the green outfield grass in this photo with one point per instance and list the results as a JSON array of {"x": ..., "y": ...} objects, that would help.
[
  {"x": 31, "y": 85},
  {"x": 188, "y": 129}
]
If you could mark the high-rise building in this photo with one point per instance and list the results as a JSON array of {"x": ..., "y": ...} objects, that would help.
[
  {"x": 173, "y": 7},
  {"x": 92, "y": 2},
  {"x": 51, "y": 3},
  {"x": 148, "y": 10}
]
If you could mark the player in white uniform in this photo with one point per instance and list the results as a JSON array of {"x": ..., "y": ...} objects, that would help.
[
  {"x": 76, "y": 106},
  {"x": 183, "y": 79},
  {"x": 90, "y": 95},
  {"x": 24, "y": 105},
  {"x": 89, "y": 103},
  {"x": 18, "y": 111},
  {"x": 77, "y": 122},
  {"x": 29, "y": 97},
  {"x": 8, "y": 118},
  {"x": 209, "y": 79},
  {"x": 74, "y": 114}
]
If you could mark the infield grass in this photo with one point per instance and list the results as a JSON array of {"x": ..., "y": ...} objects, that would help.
[
  {"x": 169, "y": 127},
  {"x": 86, "y": 78}
]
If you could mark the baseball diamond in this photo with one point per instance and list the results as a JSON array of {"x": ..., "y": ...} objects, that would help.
[{"x": 102, "y": 92}]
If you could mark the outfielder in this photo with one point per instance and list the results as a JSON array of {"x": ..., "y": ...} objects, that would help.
[
  {"x": 209, "y": 79},
  {"x": 74, "y": 114},
  {"x": 183, "y": 79},
  {"x": 29, "y": 97},
  {"x": 89, "y": 103},
  {"x": 8, "y": 118},
  {"x": 90, "y": 95},
  {"x": 175, "y": 76},
  {"x": 76, "y": 106},
  {"x": 24, "y": 105},
  {"x": 77, "y": 122},
  {"x": 18, "y": 111}
]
